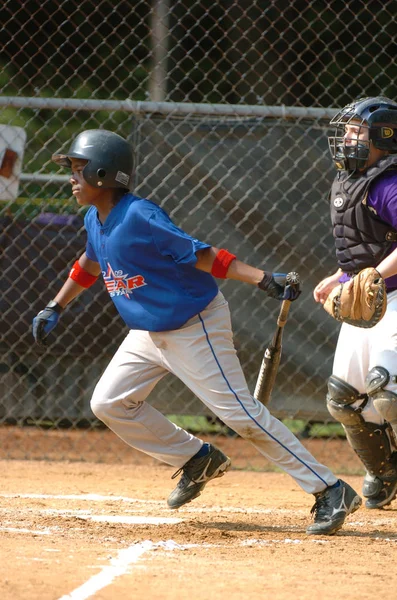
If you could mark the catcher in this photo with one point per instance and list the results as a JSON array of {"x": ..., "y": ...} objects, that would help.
[{"x": 362, "y": 293}]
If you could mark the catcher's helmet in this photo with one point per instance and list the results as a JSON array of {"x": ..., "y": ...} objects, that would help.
[
  {"x": 110, "y": 158},
  {"x": 377, "y": 114}
]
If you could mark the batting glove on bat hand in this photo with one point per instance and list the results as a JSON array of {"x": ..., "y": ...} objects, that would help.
[
  {"x": 45, "y": 322},
  {"x": 276, "y": 286}
]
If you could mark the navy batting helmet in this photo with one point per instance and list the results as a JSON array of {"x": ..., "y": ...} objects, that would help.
[
  {"x": 110, "y": 158},
  {"x": 377, "y": 114}
]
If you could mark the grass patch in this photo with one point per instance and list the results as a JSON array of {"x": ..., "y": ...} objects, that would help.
[
  {"x": 204, "y": 425},
  {"x": 198, "y": 424},
  {"x": 315, "y": 429}
]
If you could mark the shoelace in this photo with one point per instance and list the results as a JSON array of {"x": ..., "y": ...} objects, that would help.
[
  {"x": 320, "y": 506},
  {"x": 184, "y": 476},
  {"x": 178, "y": 472},
  {"x": 182, "y": 470}
]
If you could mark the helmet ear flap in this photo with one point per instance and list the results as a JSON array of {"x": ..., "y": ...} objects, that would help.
[
  {"x": 101, "y": 174},
  {"x": 384, "y": 137}
]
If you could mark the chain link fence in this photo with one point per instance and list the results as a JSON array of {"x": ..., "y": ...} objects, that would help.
[{"x": 227, "y": 106}]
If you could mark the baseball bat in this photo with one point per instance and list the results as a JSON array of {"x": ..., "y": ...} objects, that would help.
[{"x": 271, "y": 358}]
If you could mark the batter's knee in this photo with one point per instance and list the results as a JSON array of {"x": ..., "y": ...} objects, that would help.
[
  {"x": 99, "y": 405},
  {"x": 384, "y": 401},
  {"x": 102, "y": 405},
  {"x": 106, "y": 404}
]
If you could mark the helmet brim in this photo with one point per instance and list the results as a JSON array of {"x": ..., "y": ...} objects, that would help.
[{"x": 62, "y": 160}]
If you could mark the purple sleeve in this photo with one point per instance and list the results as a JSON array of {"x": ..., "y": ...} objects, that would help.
[{"x": 382, "y": 197}]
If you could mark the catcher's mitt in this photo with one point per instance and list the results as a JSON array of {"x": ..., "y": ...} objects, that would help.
[{"x": 362, "y": 304}]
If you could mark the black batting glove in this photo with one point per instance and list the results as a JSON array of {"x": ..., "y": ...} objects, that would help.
[
  {"x": 275, "y": 285},
  {"x": 45, "y": 322}
]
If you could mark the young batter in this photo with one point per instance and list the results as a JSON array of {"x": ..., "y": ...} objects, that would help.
[
  {"x": 161, "y": 281},
  {"x": 362, "y": 390}
]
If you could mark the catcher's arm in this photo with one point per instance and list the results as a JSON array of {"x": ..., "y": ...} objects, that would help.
[
  {"x": 388, "y": 266},
  {"x": 325, "y": 287}
]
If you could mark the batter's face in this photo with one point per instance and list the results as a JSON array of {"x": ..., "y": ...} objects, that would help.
[
  {"x": 358, "y": 133},
  {"x": 84, "y": 193}
]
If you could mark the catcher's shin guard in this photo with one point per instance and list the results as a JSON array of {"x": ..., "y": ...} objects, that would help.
[
  {"x": 385, "y": 402},
  {"x": 371, "y": 442}
]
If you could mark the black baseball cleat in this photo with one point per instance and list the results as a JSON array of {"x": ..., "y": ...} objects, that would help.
[
  {"x": 196, "y": 473},
  {"x": 332, "y": 507},
  {"x": 383, "y": 495},
  {"x": 372, "y": 485}
]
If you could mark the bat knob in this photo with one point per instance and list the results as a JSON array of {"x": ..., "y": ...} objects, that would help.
[{"x": 293, "y": 278}]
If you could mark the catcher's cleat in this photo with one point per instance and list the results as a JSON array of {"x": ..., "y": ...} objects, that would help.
[
  {"x": 332, "y": 507},
  {"x": 372, "y": 485},
  {"x": 386, "y": 494},
  {"x": 196, "y": 473}
]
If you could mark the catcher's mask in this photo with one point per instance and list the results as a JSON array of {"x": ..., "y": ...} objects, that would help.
[
  {"x": 379, "y": 116},
  {"x": 110, "y": 158}
]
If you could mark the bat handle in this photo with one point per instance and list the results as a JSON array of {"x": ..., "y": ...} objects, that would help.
[
  {"x": 283, "y": 314},
  {"x": 293, "y": 280}
]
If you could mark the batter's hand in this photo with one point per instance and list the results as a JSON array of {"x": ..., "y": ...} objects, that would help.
[
  {"x": 45, "y": 322},
  {"x": 274, "y": 284}
]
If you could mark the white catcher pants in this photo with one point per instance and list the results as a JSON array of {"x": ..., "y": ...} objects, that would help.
[
  {"x": 359, "y": 350},
  {"x": 202, "y": 355}
]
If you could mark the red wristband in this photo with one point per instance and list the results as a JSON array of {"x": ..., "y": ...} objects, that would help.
[
  {"x": 81, "y": 276},
  {"x": 221, "y": 263}
]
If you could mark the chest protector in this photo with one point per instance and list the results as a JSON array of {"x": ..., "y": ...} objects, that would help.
[{"x": 362, "y": 239}]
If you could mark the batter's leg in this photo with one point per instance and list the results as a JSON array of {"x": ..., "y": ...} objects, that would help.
[
  {"x": 119, "y": 401},
  {"x": 202, "y": 355}
]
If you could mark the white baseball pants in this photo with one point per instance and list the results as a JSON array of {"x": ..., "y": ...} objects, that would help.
[
  {"x": 359, "y": 350},
  {"x": 202, "y": 355}
]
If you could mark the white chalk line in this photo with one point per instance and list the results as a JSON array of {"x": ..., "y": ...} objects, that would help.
[
  {"x": 121, "y": 564},
  {"x": 45, "y": 531},
  {"x": 88, "y": 497},
  {"x": 140, "y": 505},
  {"x": 127, "y": 520},
  {"x": 88, "y": 516},
  {"x": 160, "y": 504},
  {"x": 118, "y": 566}
]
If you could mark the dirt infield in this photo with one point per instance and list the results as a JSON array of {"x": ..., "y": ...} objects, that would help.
[
  {"x": 103, "y": 446},
  {"x": 76, "y": 530}
]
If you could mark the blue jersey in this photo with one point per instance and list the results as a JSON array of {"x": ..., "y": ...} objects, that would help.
[{"x": 148, "y": 265}]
